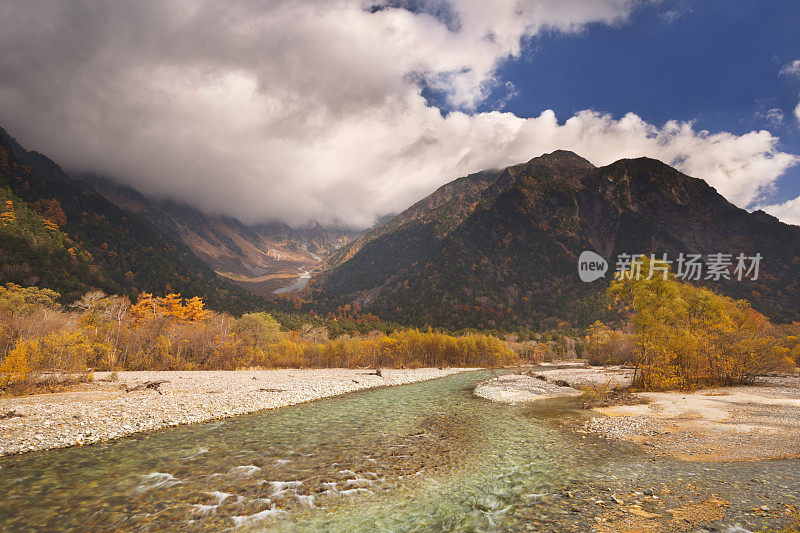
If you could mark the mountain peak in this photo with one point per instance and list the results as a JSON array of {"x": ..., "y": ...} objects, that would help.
[
  {"x": 561, "y": 160},
  {"x": 563, "y": 156}
]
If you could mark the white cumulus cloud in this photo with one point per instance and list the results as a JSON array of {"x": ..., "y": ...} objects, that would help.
[{"x": 292, "y": 110}]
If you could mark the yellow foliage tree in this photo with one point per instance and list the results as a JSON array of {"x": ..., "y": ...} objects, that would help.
[
  {"x": 688, "y": 337},
  {"x": 52, "y": 355},
  {"x": 146, "y": 307},
  {"x": 172, "y": 305}
]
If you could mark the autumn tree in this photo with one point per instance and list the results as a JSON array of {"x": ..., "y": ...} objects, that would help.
[
  {"x": 50, "y": 210},
  {"x": 607, "y": 346},
  {"x": 688, "y": 337},
  {"x": 195, "y": 310},
  {"x": 8, "y": 214},
  {"x": 146, "y": 307},
  {"x": 16, "y": 299},
  {"x": 257, "y": 329}
]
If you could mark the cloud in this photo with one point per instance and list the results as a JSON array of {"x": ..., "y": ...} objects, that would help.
[
  {"x": 292, "y": 110},
  {"x": 774, "y": 116},
  {"x": 791, "y": 69},
  {"x": 671, "y": 15},
  {"x": 788, "y": 212}
]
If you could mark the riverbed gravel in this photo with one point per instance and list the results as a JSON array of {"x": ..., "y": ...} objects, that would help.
[
  {"x": 102, "y": 410},
  {"x": 513, "y": 388},
  {"x": 594, "y": 376},
  {"x": 760, "y": 421}
]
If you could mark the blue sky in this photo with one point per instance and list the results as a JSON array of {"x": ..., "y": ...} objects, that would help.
[{"x": 716, "y": 62}]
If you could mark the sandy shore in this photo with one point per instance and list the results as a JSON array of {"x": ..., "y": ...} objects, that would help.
[
  {"x": 102, "y": 410},
  {"x": 760, "y": 421}
]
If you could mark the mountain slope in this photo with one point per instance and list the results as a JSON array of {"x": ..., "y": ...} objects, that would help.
[
  {"x": 260, "y": 257},
  {"x": 122, "y": 252},
  {"x": 426, "y": 221},
  {"x": 512, "y": 261},
  {"x": 33, "y": 249}
]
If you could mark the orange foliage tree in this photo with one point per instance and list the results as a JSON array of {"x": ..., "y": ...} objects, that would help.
[{"x": 172, "y": 306}]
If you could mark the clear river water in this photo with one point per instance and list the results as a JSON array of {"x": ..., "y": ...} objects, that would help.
[{"x": 423, "y": 457}]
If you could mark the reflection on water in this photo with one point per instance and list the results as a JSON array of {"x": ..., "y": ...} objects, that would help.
[{"x": 427, "y": 456}]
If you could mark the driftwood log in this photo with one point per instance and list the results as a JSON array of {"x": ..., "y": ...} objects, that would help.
[
  {"x": 155, "y": 385},
  {"x": 10, "y": 414}
]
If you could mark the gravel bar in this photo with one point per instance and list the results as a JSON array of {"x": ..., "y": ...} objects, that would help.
[
  {"x": 102, "y": 410},
  {"x": 514, "y": 388}
]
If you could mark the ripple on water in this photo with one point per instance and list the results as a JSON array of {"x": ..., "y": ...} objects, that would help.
[
  {"x": 204, "y": 509},
  {"x": 200, "y": 451},
  {"x": 278, "y": 487},
  {"x": 244, "y": 470},
  {"x": 358, "y": 483},
  {"x": 220, "y": 496},
  {"x": 353, "y": 492},
  {"x": 239, "y": 521},
  {"x": 308, "y": 501},
  {"x": 155, "y": 480}
]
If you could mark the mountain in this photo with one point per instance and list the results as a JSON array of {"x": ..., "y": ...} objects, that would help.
[
  {"x": 504, "y": 253},
  {"x": 440, "y": 211},
  {"x": 259, "y": 257},
  {"x": 66, "y": 236}
]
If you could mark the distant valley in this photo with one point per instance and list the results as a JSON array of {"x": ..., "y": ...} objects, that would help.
[
  {"x": 112, "y": 237},
  {"x": 262, "y": 257}
]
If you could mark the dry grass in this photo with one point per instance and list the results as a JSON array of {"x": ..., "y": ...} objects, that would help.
[{"x": 46, "y": 383}]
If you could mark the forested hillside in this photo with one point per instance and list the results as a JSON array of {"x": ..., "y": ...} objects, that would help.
[{"x": 63, "y": 235}]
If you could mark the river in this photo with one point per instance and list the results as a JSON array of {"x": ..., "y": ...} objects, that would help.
[
  {"x": 298, "y": 284},
  {"x": 422, "y": 457}
]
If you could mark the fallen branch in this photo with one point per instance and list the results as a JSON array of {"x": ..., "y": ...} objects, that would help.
[
  {"x": 155, "y": 385},
  {"x": 10, "y": 414}
]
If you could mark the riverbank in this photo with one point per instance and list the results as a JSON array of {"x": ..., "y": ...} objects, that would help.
[
  {"x": 102, "y": 410},
  {"x": 759, "y": 421},
  {"x": 515, "y": 388},
  {"x": 546, "y": 383}
]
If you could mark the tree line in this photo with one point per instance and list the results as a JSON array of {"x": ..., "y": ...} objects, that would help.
[{"x": 42, "y": 342}]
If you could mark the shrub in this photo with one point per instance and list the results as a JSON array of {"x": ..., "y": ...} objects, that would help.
[
  {"x": 170, "y": 333},
  {"x": 605, "y": 346},
  {"x": 50, "y": 359}
]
